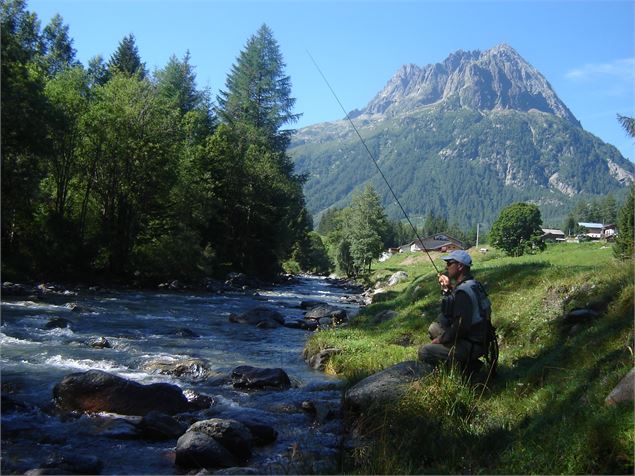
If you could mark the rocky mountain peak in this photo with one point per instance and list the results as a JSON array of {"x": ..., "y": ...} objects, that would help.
[{"x": 496, "y": 79}]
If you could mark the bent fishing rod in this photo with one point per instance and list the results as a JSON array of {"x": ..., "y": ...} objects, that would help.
[{"x": 374, "y": 162}]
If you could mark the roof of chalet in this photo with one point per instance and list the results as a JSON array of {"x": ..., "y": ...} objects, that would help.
[
  {"x": 590, "y": 225},
  {"x": 552, "y": 231},
  {"x": 435, "y": 241}
]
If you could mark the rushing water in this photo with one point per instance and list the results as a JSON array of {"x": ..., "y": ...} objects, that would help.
[{"x": 143, "y": 327}]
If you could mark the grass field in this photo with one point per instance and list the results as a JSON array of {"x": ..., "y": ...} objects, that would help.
[{"x": 544, "y": 413}]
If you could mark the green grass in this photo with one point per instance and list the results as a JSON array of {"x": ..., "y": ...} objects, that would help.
[{"x": 545, "y": 411}]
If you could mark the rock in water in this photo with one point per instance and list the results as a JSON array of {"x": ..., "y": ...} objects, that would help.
[
  {"x": 99, "y": 391},
  {"x": 245, "y": 376},
  {"x": 232, "y": 434},
  {"x": 197, "y": 450}
]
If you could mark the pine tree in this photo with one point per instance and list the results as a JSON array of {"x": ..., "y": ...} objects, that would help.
[
  {"x": 258, "y": 92},
  {"x": 626, "y": 227},
  {"x": 177, "y": 83},
  {"x": 126, "y": 59}
]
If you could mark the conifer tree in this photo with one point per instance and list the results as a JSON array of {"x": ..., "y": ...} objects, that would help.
[
  {"x": 177, "y": 83},
  {"x": 258, "y": 93},
  {"x": 126, "y": 58}
]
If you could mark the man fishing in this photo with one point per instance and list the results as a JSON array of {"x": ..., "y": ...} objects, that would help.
[
  {"x": 464, "y": 332},
  {"x": 460, "y": 333}
]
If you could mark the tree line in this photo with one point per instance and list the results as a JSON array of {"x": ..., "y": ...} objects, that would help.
[{"x": 111, "y": 170}]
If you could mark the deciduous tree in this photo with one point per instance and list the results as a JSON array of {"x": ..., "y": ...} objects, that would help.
[{"x": 517, "y": 230}]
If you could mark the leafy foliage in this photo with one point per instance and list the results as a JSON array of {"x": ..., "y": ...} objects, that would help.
[
  {"x": 517, "y": 229},
  {"x": 107, "y": 171},
  {"x": 358, "y": 233}
]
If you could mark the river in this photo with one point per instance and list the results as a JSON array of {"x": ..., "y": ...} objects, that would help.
[{"x": 148, "y": 327}]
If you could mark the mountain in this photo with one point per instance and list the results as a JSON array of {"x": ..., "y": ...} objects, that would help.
[{"x": 462, "y": 138}]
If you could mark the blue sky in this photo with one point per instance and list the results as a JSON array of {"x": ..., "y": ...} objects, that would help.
[{"x": 585, "y": 49}]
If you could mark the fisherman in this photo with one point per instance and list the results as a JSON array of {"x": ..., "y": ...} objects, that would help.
[{"x": 461, "y": 331}]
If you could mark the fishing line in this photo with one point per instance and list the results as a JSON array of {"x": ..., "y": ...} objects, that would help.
[{"x": 374, "y": 162}]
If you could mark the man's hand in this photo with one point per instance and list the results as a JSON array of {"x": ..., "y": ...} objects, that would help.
[{"x": 444, "y": 282}]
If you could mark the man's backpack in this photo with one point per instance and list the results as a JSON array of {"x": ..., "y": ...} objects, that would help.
[
  {"x": 491, "y": 341},
  {"x": 478, "y": 295}
]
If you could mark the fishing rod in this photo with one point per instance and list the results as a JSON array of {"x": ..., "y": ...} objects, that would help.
[{"x": 374, "y": 162}]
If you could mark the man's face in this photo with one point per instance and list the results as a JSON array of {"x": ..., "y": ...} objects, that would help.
[{"x": 453, "y": 268}]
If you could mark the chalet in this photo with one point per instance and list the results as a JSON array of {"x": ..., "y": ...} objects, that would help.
[
  {"x": 592, "y": 230},
  {"x": 437, "y": 242},
  {"x": 609, "y": 232},
  {"x": 552, "y": 235}
]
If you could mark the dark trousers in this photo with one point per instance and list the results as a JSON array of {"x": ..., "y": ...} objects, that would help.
[{"x": 462, "y": 351}]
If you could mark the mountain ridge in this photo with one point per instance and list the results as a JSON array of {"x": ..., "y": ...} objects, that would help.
[
  {"x": 489, "y": 116},
  {"x": 498, "y": 78}
]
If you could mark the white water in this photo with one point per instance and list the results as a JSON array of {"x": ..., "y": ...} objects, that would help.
[{"x": 141, "y": 329}]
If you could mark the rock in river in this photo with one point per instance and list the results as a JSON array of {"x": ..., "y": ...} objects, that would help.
[
  {"x": 263, "y": 317},
  {"x": 99, "y": 391},
  {"x": 245, "y": 376}
]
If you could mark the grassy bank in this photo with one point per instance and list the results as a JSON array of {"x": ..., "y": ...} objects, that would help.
[{"x": 544, "y": 413}]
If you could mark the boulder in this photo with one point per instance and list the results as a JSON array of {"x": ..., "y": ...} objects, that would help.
[
  {"x": 57, "y": 323},
  {"x": 259, "y": 316},
  {"x": 323, "y": 311},
  {"x": 248, "y": 377},
  {"x": 74, "y": 307},
  {"x": 624, "y": 391},
  {"x": 309, "y": 325},
  {"x": 261, "y": 434},
  {"x": 379, "y": 295},
  {"x": 184, "y": 332},
  {"x": 385, "y": 386},
  {"x": 100, "y": 343},
  {"x": 311, "y": 303},
  {"x": 576, "y": 316},
  {"x": 398, "y": 277},
  {"x": 160, "y": 426},
  {"x": 318, "y": 361},
  {"x": 232, "y": 434},
  {"x": 99, "y": 391},
  {"x": 192, "y": 369},
  {"x": 70, "y": 464},
  {"x": 384, "y": 316},
  {"x": 197, "y": 450}
]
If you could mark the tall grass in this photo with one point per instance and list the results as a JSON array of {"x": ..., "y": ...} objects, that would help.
[{"x": 544, "y": 413}]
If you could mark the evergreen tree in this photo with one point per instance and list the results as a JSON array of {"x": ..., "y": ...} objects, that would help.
[
  {"x": 177, "y": 82},
  {"x": 267, "y": 219},
  {"x": 126, "y": 59},
  {"x": 258, "y": 93},
  {"x": 626, "y": 227},
  {"x": 609, "y": 209},
  {"x": 434, "y": 224},
  {"x": 628, "y": 123},
  {"x": 328, "y": 221}
]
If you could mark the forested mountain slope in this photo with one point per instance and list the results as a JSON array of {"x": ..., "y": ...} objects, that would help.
[{"x": 462, "y": 139}]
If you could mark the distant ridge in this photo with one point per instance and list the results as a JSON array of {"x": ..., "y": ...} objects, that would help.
[
  {"x": 462, "y": 139},
  {"x": 496, "y": 79}
]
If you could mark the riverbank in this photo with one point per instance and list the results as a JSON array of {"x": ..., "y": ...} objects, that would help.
[{"x": 546, "y": 412}]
